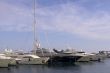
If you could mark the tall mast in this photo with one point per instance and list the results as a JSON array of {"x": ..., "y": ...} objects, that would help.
[
  {"x": 34, "y": 27},
  {"x": 36, "y": 43}
]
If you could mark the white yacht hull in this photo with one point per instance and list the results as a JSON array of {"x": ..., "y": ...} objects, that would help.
[
  {"x": 4, "y": 62},
  {"x": 12, "y": 62},
  {"x": 34, "y": 61},
  {"x": 84, "y": 59},
  {"x": 96, "y": 58}
]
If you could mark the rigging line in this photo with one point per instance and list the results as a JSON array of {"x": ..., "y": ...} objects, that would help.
[{"x": 48, "y": 43}]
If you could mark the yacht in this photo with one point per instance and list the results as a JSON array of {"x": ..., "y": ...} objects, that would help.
[
  {"x": 63, "y": 57},
  {"x": 22, "y": 58},
  {"x": 6, "y": 61},
  {"x": 95, "y": 57},
  {"x": 86, "y": 57}
]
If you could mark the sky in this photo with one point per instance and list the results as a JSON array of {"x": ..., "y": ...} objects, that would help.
[{"x": 61, "y": 24}]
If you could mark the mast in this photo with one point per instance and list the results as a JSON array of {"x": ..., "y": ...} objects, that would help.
[
  {"x": 34, "y": 27},
  {"x": 36, "y": 43}
]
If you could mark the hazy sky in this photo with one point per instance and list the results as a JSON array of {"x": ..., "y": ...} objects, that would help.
[{"x": 79, "y": 24}]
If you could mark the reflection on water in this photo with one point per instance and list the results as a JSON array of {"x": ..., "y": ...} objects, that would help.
[{"x": 92, "y": 67}]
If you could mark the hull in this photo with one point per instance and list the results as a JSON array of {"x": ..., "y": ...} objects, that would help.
[
  {"x": 33, "y": 61},
  {"x": 57, "y": 60},
  {"x": 13, "y": 62},
  {"x": 28, "y": 59},
  {"x": 4, "y": 62},
  {"x": 96, "y": 58},
  {"x": 84, "y": 59}
]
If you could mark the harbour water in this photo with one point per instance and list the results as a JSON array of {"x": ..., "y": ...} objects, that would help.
[{"x": 91, "y": 67}]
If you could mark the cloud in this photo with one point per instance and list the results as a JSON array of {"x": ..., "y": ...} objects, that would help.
[
  {"x": 14, "y": 18},
  {"x": 74, "y": 19},
  {"x": 68, "y": 17}
]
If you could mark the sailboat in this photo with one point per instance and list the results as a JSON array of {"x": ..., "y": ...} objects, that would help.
[{"x": 33, "y": 58}]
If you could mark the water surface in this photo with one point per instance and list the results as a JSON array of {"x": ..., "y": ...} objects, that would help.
[{"x": 92, "y": 67}]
